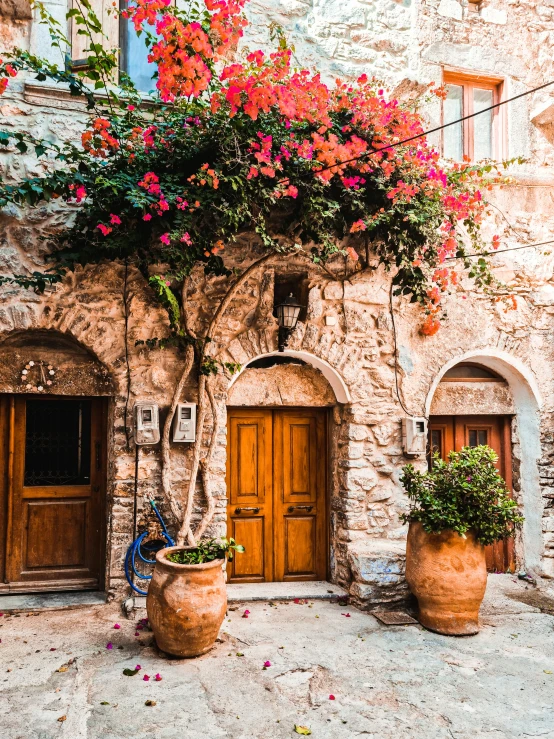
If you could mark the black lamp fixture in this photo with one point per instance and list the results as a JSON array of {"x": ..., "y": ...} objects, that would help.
[{"x": 287, "y": 316}]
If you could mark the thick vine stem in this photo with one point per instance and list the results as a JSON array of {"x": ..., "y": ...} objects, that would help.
[
  {"x": 184, "y": 531},
  {"x": 166, "y": 457},
  {"x": 205, "y": 467}
]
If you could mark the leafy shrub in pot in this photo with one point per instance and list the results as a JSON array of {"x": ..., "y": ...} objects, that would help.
[
  {"x": 457, "y": 507},
  {"x": 187, "y": 597}
]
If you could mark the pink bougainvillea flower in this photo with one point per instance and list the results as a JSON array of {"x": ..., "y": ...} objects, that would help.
[
  {"x": 331, "y": 697},
  {"x": 164, "y": 238},
  {"x": 157, "y": 677},
  {"x": 137, "y": 633},
  {"x": 138, "y": 667},
  {"x": 105, "y": 230},
  {"x": 147, "y": 217},
  {"x": 140, "y": 627},
  {"x": 52, "y": 649},
  {"x": 116, "y": 626},
  {"x": 80, "y": 194},
  {"x": 130, "y": 107},
  {"x": 146, "y": 678},
  {"x": 357, "y": 226},
  {"x": 267, "y": 663},
  {"x": 115, "y": 220},
  {"x": 246, "y": 613},
  {"x": 109, "y": 645},
  {"x": 144, "y": 621},
  {"x": 297, "y": 600},
  {"x": 345, "y": 614}
]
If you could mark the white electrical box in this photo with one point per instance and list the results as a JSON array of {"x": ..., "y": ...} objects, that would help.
[
  {"x": 184, "y": 422},
  {"x": 147, "y": 423},
  {"x": 414, "y": 436}
]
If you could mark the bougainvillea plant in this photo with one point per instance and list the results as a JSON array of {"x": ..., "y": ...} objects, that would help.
[{"x": 229, "y": 143}]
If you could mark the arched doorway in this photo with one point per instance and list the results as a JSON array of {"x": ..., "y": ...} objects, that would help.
[
  {"x": 492, "y": 398},
  {"x": 278, "y": 467},
  {"x": 53, "y": 456}
]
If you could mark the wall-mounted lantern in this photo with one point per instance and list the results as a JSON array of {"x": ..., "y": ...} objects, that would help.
[{"x": 287, "y": 316}]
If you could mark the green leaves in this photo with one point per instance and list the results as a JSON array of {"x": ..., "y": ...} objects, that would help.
[
  {"x": 464, "y": 493},
  {"x": 206, "y": 551},
  {"x": 127, "y": 671}
]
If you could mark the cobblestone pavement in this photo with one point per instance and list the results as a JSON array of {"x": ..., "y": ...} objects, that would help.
[{"x": 59, "y": 679}]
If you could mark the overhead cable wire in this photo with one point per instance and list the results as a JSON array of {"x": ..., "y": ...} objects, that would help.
[{"x": 372, "y": 150}]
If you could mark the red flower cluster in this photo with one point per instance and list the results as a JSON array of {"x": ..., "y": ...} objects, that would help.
[{"x": 99, "y": 142}]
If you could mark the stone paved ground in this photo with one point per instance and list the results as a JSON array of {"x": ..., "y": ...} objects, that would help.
[{"x": 399, "y": 682}]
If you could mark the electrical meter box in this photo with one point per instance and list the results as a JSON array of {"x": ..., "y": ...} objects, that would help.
[
  {"x": 147, "y": 423},
  {"x": 414, "y": 436},
  {"x": 184, "y": 422}
]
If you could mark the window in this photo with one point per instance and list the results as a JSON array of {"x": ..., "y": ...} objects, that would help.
[
  {"x": 471, "y": 372},
  {"x": 479, "y": 137},
  {"x": 120, "y": 33},
  {"x": 57, "y": 442}
]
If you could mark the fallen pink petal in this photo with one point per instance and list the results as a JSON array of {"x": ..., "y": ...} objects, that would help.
[
  {"x": 137, "y": 633},
  {"x": 331, "y": 697},
  {"x": 109, "y": 645},
  {"x": 146, "y": 678},
  {"x": 345, "y": 614},
  {"x": 116, "y": 626},
  {"x": 267, "y": 663},
  {"x": 138, "y": 667},
  {"x": 158, "y": 677}
]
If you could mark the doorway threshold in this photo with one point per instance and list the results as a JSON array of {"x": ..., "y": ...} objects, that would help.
[
  {"x": 263, "y": 591},
  {"x": 22, "y": 602},
  {"x": 260, "y": 591}
]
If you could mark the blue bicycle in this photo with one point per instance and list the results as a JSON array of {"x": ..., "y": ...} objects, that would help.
[{"x": 141, "y": 553}]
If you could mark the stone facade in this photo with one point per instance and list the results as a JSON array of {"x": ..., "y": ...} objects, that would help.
[{"x": 347, "y": 340}]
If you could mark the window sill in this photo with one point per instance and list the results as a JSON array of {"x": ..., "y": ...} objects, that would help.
[{"x": 58, "y": 96}]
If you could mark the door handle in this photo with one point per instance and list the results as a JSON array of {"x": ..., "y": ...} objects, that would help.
[
  {"x": 293, "y": 508},
  {"x": 240, "y": 510}
]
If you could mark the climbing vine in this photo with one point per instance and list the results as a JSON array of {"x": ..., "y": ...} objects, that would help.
[{"x": 230, "y": 142}]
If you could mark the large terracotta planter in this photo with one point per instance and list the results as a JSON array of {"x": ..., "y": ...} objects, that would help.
[
  {"x": 448, "y": 576},
  {"x": 186, "y": 604}
]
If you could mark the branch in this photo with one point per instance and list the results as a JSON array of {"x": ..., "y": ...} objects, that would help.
[
  {"x": 166, "y": 459},
  {"x": 185, "y": 530},
  {"x": 205, "y": 467}
]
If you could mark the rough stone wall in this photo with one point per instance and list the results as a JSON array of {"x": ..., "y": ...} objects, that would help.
[{"x": 348, "y": 324}]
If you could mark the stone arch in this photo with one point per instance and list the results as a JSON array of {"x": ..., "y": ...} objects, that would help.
[
  {"x": 525, "y": 439},
  {"x": 337, "y": 383},
  {"x": 78, "y": 371}
]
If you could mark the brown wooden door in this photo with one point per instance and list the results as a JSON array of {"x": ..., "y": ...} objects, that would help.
[
  {"x": 449, "y": 433},
  {"x": 54, "y": 493},
  {"x": 276, "y": 477}
]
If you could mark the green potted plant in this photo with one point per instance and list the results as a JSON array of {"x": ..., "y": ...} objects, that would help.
[
  {"x": 457, "y": 507},
  {"x": 187, "y": 598}
]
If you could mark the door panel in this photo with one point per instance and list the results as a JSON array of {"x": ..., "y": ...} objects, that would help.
[
  {"x": 300, "y": 531},
  {"x": 54, "y": 536},
  {"x": 447, "y": 433},
  {"x": 249, "y": 484},
  {"x": 276, "y": 475}
]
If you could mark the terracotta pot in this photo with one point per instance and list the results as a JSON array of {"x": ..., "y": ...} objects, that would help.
[
  {"x": 448, "y": 576},
  {"x": 186, "y": 604}
]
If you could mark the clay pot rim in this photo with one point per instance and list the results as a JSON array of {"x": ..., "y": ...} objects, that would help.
[
  {"x": 471, "y": 532},
  {"x": 161, "y": 558}
]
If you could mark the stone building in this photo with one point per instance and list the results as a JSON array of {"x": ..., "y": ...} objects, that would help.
[{"x": 325, "y": 504}]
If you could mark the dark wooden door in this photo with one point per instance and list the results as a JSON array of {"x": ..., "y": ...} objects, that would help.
[
  {"x": 54, "y": 492},
  {"x": 449, "y": 433},
  {"x": 276, "y": 476}
]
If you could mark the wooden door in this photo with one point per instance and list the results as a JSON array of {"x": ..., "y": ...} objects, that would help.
[
  {"x": 54, "y": 493},
  {"x": 276, "y": 476},
  {"x": 447, "y": 433}
]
